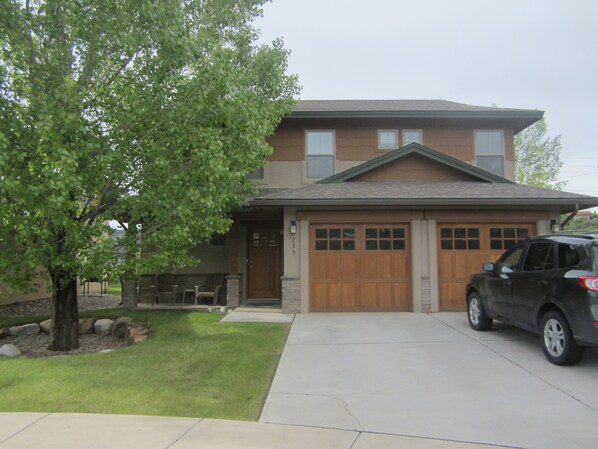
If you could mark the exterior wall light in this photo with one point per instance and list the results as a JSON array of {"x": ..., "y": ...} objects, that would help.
[
  {"x": 293, "y": 227},
  {"x": 554, "y": 226}
]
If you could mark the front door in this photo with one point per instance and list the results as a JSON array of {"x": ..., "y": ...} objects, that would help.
[{"x": 263, "y": 264}]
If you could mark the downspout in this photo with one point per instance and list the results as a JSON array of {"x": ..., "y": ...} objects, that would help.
[{"x": 570, "y": 217}]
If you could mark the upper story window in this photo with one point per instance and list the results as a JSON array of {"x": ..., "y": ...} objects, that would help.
[
  {"x": 388, "y": 139},
  {"x": 258, "y": 173},
  {"x": 490, "y": 151},
  {"x": 412, "y": 135},
  {"x": 319, "y": 150}
]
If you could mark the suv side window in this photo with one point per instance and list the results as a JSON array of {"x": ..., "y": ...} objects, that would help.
[
  {"x": 509, "y": 261},
  {"x": 539, "y": 257},
  {"x": 568, "y": 255}
]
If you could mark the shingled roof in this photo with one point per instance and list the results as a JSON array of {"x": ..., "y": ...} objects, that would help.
[
  {"x": 425, "y": 194},
  {"x": 521, "y": 118}
]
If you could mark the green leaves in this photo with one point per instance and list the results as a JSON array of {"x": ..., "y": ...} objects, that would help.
[
  {"x": 537, "y": 157},
  {"x": 146, "y": 112}
]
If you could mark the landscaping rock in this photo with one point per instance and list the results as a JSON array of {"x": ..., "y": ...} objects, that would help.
[
  {"x": 136, "y": 334},
  {"x": 103, "y": 326},
  {"x": 9, "y": 351},
  {"x": 86, "y": 326},
  {"x": 105, "y": 351},
  {"x": 25, "y": 329},
  {"x": 46, "y": 326},
  {"x": 119, "y": 327},
  {"x": 4, "y": 332}
]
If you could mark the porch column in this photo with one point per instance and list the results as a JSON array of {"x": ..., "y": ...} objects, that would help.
[
  {"x": 232, "y": 290},
  {"x": 233, "y": 249},
  {"x": 129, "y": 293}
]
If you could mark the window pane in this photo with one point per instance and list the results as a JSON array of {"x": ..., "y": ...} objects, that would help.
[
  {"x": 321, "y": 233},
  {"x": 568, "y": 256},
  {"x": 398, "y": 244},
  {"x": 446, "y": 233},
  {"x": 492, "y": 164},
  {"x": 509, "y": 243},
  {"x": 460, "y": 244},
  {"x": 371, "y": 233},
  {"x": 388, "y": 140},
  {"x": 538, "y": 257},
  {"x": 258, "y": 173},
  {"x": 334, "y": 233},
  {"x": 321, "y": 245},
  {"x": 489, "y": 143},
  {"x": 384, "y": 233},
  {"x": 349, "y": 233},
  {"x": 446, "y": 244},
  {"x": 348, "y": 244},
  {"x": 398, "y": 233},
  {"x": 473, "y": 233},
  {"x": 335, "y": 245},
  {"x": 371, "y": 245},
  {"x": 460, "y": 233},
  {"x": 509, "y": 233},
  {"x": 473, "y": 244},
  {"x": 495, "y": 233},
  {"x": 320, "y": 166},
  {"x": 522, "y": 233},
  {"x": 496, "y": 244},
  {"x": 384, "y": 244},
  {"x": 412, "y": 136},
  {"x": 320, "y": 142}
]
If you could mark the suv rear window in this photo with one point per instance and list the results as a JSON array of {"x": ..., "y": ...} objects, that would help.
[{"x": 568, "y": 255}]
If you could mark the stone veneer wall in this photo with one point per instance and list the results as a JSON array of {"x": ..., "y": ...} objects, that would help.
[
  {"x": 291, "y": 294},
  {"x": 232, "y": 291},
  {"x": 426, "y": 297}
]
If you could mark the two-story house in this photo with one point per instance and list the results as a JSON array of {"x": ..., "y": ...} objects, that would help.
[{"x": 383, "y": 205}]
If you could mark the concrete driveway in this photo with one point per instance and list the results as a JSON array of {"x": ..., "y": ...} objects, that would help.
[{"x": 431, "y": 376}]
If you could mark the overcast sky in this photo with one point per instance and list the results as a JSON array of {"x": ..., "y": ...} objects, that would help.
[{"x": 531, "y": 54}]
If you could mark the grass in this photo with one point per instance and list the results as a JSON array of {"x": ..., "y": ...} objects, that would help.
[
  {"x": 192, "y": 366},
  {"x": 114, "y": 288}
]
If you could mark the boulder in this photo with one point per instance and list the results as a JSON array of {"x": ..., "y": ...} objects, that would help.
[
  {"x": 103, "y": 326},
  {"x": 25, "y": 329},
  {"x": 86, "y": 326},
  {"x": 9, "y": 351},
  {"x": 136, "y": 334},
  {"x": 119, "y": 327},
  {"x": 4, "y": 332},
  {"x": 46, "y": 326}
]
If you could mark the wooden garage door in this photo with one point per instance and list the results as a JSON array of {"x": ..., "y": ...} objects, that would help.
[
  {"x": 462, "y": 250},
  {"x": 360, "y": 267}
]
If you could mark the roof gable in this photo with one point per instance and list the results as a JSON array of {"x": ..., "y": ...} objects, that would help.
[{"x": 365, "y": 171}]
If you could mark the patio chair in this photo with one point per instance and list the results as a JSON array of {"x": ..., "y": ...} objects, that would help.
[
  {"x": 164, "y": 287},
  {"x": 211, "y": 288}
]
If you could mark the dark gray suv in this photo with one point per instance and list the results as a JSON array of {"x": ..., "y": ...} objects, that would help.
[{"x": 547, "y": 285}]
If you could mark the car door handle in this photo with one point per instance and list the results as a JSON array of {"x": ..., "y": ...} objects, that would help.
[{"x": 542, "y": 283}]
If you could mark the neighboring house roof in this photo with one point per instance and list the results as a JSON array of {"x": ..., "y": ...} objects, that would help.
[
  {"x": 520, "y": 118},
  {"x": 414, "y": 148}
]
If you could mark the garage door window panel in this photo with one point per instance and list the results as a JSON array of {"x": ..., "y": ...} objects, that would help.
[
  {"x": 335, "y": 239},
  {"x": 459, "y": 238},
  {"x": 505, "y": 238},
  {"x": 385, "y": 239}
]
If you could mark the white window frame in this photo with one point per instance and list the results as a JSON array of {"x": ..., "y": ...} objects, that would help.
[
  {"x": 393, "y": 146},
  {"x": 326, "y": 155},
  {"x": 418, "y": 131},
  {"x": 500, "y": 153}
]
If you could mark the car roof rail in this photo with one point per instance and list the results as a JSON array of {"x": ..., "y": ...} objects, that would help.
[{"x": 592, "y": 232}]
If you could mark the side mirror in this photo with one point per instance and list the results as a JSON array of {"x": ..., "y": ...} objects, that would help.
[{"x": 488, "y": 266}]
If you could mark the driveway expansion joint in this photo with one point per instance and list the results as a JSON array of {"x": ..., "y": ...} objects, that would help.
[
  {"x": 25, "y": 428},
  {"x": 184, "y": 433}
]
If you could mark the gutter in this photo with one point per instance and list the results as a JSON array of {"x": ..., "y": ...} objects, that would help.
[{"x": 570, "y": 217}]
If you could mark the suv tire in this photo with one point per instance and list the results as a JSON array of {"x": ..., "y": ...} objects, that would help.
[
  {"x": 476, "y": 314},
  {"x": 557, "y": 340}
]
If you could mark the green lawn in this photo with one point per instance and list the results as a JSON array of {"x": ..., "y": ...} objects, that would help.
[
  {"x": 114, "y": 288},
  {"x": 192, "y": 366}
]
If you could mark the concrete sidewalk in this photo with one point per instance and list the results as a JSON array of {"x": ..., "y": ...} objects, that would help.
[{"x": 76, "y": 431}]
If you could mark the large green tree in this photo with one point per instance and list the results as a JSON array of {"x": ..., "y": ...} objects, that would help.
[
  {"x": 537, "y": 157},
  {"x": 149, "y": 112}
]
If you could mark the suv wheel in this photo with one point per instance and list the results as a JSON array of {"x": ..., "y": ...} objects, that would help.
[
  {"x": 476, "y": 314},
  {"x": 557, "y": 340}
]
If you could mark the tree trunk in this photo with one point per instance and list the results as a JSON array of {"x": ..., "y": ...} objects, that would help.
[{"x": 65, "y": 313}]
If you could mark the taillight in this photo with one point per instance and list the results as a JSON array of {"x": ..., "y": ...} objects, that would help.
[{"x": 589, "y": 282}]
